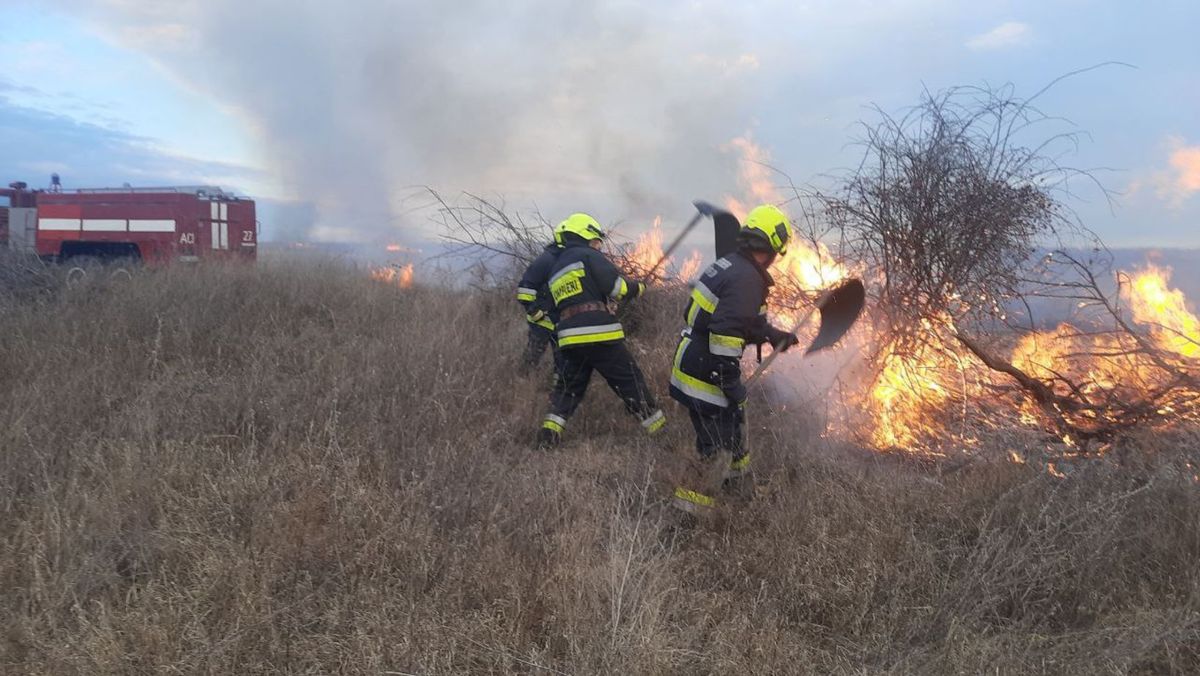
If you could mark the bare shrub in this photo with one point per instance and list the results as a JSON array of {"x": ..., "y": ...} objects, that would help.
[{"x": 949, "y": 215}]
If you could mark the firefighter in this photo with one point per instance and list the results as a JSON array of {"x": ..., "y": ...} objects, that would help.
[
  {"x": 534, "y": 294},
  {"x": 726, "y": 311},
  {"x": 582, "y": 282}
]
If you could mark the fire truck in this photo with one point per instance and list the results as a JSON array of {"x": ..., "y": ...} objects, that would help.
[{"x": 150, "y": 225}]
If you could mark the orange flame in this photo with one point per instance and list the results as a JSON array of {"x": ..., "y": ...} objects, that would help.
[
  {"x": 913, "y": 390},
  {"x": 1165, "y": 311},
  {"x": 648, "y": 250},
  {"x": 908, "y": 388},
  {"x": 690, "y": 268},
  {"x": 649, "y": 247},
  {"x": 808, "y": 266},
  {"x": 401, "y": 276},
  {"x": 1154, "y": 304},
  {"x": 754, "y": 176},
  {"x": 1038, "y": 353}
]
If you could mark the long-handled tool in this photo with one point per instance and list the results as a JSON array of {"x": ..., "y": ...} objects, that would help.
[
  {"x": 702, "y": 209},
  {"x": 838, "y": 307}
]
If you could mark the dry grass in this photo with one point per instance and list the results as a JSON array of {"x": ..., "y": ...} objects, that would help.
[{"x": 277, "y": 469}]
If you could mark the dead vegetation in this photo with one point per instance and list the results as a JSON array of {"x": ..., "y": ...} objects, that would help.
[
  {"x": 298, "y": 469},
  {"x": 959, "y": 219}
]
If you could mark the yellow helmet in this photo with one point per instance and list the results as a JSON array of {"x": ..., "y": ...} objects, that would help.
[
  {"x": 768, "y": 225},
  {"x": 581, "y": 225}
]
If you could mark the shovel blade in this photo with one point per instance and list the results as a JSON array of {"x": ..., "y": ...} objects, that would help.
[
  {"x": 726, "y": 229},
  {"x": 838, "y": 313}
]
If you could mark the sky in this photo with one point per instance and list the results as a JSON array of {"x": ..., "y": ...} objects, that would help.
[{"x": 334, "y": 117}]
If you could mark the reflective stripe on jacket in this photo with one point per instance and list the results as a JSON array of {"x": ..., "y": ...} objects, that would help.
[{"x": 583, "y": 275}]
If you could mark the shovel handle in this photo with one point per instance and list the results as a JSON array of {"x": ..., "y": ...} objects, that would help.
[
  {"x": 775, "y": 352},
  {"x": 702, "y": 209}
]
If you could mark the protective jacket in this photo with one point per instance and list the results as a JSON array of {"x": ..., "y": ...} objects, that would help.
[
  {"x": 581, "y": 283},
  {"x": 726, "y": 311},
  {"x": 533, "y": 290}
]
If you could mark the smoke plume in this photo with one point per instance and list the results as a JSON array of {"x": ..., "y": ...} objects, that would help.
[{"x": 613, "y": 107}]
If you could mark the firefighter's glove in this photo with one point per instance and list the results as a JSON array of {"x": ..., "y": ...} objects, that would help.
[
  {"x": 736, "y": 394},
  {"x": 789, "y": 341},
  {"x": 782, "y": 340},
  {"x": 727, "y": 374},
  {"x": 537, "y": 315},
  {"x": 739, "y": 410}
]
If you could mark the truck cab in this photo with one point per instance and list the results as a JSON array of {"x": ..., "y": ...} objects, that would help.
[{"x": 18, "y": 218}]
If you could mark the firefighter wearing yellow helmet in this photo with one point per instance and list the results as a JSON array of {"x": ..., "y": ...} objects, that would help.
[
  {"x": 582, "y": 281},
  {"x": 727, "y": 311}
]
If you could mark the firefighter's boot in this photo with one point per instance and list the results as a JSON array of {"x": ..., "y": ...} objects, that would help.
[
  {"x": 696, "y": 491},
  {"x": 739, "y": 482},
  {"x": 654, "y": 422},
  {"x": 551, "y": 430}
]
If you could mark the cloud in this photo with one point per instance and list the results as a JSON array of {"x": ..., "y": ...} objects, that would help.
[
  {"x": 1175, "y": 184},
  {"x": 1181, "y": 180},
  {"x": 1185, "y": 165},
  {"x": 1007, "y": 34},
  {"x": 728, "y": 66},
  {"x": 37, "y": 143},
  {"x": 7, "y": 87}
]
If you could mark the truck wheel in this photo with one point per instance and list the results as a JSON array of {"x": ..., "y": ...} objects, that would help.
[
  {"x": 80, "y": 268},
  {"x": 121, "y": 269}
]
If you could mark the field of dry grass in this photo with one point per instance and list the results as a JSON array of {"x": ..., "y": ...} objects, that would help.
[{"x": 297, "y": 469}]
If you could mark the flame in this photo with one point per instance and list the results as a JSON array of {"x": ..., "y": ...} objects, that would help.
[
  {"x": 1154, "y": 304},
  {"x": 808, "y": 266},
  {"x": 909, "y": 400},
  {"x": 908, "y": 388},
  {"x": 754, "y": 176},
  {"x": 394, "y": 248},
  {"x": 1037, "y": 353},
  {"x": 648, "y": 250},
  {"x": 401, "y": 276},
  {"x": 690, "y": 268},
  {"x": 1164, "y": 309},
  {"x": 649, "y": 247}
]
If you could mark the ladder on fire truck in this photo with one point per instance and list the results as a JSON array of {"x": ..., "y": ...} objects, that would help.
[{"x": 202, "y": 191}]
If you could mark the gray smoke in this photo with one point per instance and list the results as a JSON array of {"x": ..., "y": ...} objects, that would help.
[{"x": 603, "y": 105}]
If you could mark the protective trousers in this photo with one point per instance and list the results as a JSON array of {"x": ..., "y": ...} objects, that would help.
[
  {"x": 717, "y": 429},
  {"x": 723, "y": 462},
  {"x": 618, "y": 368}
]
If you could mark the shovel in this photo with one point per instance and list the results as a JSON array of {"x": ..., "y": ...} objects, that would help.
[{"x": 838, "y": 308}]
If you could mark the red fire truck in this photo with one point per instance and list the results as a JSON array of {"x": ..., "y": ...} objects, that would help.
[{"x": 152, "y": 225}]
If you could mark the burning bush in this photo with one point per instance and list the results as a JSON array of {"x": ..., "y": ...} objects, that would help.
[{"x": 944, "y": 217}]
